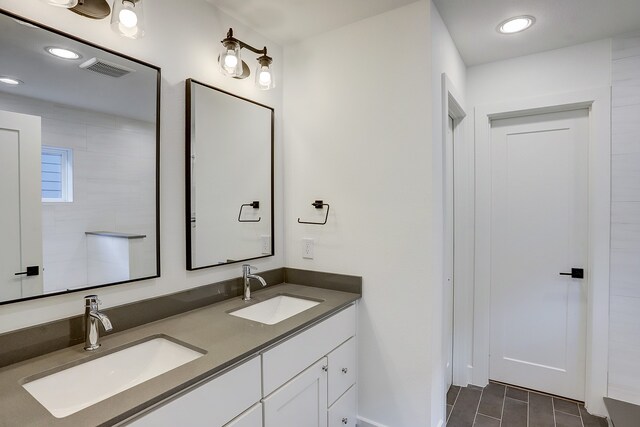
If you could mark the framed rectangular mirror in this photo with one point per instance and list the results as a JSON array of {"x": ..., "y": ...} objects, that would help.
[
  {"x": 229, "y": 177},
  {"x": 79, "y": 165}
]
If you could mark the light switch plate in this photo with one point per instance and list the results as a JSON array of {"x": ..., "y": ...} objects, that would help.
[{"x": 266, "y": 245}]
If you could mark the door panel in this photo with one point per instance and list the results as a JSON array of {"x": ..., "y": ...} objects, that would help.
[
  {"x": 20, "y": 192},
  {"x": 539, "y": 229}
]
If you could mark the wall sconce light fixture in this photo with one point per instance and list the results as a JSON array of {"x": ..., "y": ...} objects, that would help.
[
  {"x": 127, "y": 18},
  {"x": 232, "y": 65}
]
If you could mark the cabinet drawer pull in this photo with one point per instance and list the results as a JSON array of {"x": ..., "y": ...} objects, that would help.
[
  {"x": 345, "y": 421},
  {"x": 325, "y": 368},
  {"x": 345, "y": 370}
]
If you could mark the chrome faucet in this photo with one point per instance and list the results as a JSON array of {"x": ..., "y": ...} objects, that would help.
[
  {"x": 246, "y": 277},
  {"x": 91, "y": 318}
]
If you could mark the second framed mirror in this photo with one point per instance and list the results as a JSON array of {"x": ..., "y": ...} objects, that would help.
[{"x": 229, "y": 177}]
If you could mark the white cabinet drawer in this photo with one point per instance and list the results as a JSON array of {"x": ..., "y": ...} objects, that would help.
[
  {"x": 291, "y": 357},
  {"x": 343, "y": 412},
  {"x": 251, "y": 418},
  {"x": 211, "y": 404},
  {"x": 342, "y": 369}
]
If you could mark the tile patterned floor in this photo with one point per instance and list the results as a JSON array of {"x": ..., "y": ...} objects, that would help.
[{"x": 501, "y": 406}]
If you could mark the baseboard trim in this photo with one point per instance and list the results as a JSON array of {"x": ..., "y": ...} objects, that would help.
[{"x": 363, "y": 422}]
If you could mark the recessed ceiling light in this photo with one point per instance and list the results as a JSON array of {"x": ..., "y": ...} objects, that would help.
[
  {"x": 516, "y": 24},
  {"x": 10, "y": 81},
  {"x": 62, "y": 53}
]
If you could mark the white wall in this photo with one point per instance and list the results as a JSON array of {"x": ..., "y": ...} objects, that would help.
[
  {"x": 624, "y": 338},
  {"x": 558, "y": 71},
  {"x": 113, "y": 175},
  {"x": 357, "y": 134},
  {"x": 445, "y": 58},
  {"x": 184, "y": 42}
]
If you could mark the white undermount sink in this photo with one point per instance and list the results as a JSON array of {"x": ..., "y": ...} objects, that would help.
[
  {"x": 275, "y": 310},
  {"x": 73, "y": 389}
]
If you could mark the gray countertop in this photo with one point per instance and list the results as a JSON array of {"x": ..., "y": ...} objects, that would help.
[{"x": 226, "y": 339}]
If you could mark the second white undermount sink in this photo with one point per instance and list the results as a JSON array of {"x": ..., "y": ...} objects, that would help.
[
  {"x": 275, "y": 310},
  {"x": 68, "y": 391}
]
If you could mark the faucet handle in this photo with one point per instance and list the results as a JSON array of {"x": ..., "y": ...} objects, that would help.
[
  {"x": 248, "y": 268},
  {"x": 92, "y": 301}
]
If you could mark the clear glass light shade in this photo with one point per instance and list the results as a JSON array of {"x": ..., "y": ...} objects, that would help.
[
  {"x": 230, "y": 60},
  {"x": 264, "y": 77},
  {"x": 62, "y": 3},
  {"x": 127, "y": 18}
]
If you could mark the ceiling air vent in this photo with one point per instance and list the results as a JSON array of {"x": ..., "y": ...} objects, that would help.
[{"x": 105, "y": 68}]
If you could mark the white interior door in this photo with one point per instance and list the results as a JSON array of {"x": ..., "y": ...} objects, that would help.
[
  {"x": 20, "y": 215},
  {"x": 448, "y": 254},
  {"x": 539, "y": 230}
]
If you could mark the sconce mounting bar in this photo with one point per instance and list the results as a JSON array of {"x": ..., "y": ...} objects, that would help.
[{"x": 244, "y": 45}]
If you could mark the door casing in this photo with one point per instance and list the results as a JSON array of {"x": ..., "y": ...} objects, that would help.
[{"x": 599, "y": 177}]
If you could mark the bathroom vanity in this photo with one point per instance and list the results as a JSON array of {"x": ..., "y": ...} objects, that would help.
[
  {"x": 299, "y": 371},
  {"x": 308, "y": 379}
]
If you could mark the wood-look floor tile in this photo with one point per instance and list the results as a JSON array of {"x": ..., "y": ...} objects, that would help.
[
  {"x": 515, "y": 413},
  {"x": 492, "y": 400},
  {"x": 591, "y": 420},
  {"x": 482, "y": 421},
  {"x": 452, "y": 394},
  {"x": 516, "y": 393},
  {"x": 566, "y": 420},
  {"x": 566, "y": 406},
  {"x": 464, "y": 411},
  {"x": 540, "y": 411}
]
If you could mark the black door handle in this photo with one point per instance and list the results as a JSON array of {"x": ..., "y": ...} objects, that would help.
[
  {"x": 32, "y": 270},
  {"x": 576, "y": 273}
]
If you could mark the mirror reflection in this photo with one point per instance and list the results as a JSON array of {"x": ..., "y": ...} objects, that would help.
[
  {"x": 78, "y": 164},
  {"x": 229, "y": 178}
]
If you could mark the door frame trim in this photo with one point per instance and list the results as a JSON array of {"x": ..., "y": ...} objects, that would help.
[
  {"x": 453, "y": 105},
  {"x": 598, "y": 102}
]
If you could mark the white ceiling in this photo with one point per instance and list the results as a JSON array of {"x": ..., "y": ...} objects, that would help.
[
  {"x": 288, "y": 21},
  {"x": 560, "y": 23},
  {"x": 23, "y": 56}
]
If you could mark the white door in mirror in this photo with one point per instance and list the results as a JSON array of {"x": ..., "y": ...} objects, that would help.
[{"x": 20, "y": 216}]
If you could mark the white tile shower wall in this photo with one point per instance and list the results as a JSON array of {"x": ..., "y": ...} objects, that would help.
[
  {"x": 113, "y": 176},
  {"x": 624, "y": 346}
]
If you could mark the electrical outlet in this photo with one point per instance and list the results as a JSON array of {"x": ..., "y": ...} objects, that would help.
[
  {"x": 266, "y": 245},
  {"x": 307, "y": 248}
]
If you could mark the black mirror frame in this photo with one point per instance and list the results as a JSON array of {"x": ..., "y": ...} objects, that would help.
[
  {"x": 157, "y": 164},
  {"x": 188, "y": 97}
]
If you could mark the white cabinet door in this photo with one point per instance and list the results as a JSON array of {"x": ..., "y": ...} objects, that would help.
[
  {"x": 300, "y": 402},
  {"x": 343, "y": 412},
  {"x": 251, "y": 418},
  {"x": 342, "y": 369}
]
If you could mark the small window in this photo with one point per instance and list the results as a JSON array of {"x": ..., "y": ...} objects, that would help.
[{"x": 57, "y": 174}]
